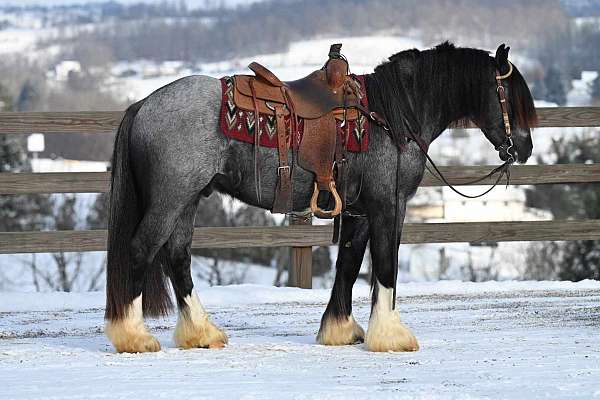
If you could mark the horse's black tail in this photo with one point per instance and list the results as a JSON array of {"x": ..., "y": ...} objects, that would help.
[{"x": 126, "y": 212}]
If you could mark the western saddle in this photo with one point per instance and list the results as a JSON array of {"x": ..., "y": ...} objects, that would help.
[{"x": 317, "y": 102}]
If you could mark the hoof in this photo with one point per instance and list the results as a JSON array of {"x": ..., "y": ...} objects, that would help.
[
  {"x": 127, "y": 340},
  {"x": 340, "y": 331},
  {"x": 129, "y": 334},
  {"x": 189, "y": 335},
  {"x": 387, "y": 333},
  {"x": 141, "y": 344}
]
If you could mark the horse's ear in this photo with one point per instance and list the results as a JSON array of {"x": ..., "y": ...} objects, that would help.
[{"x": 502, "y": 57}]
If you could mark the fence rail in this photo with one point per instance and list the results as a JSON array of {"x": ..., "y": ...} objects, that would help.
[
  {"x": 98, "y": 182},
  {"x": 108, "y": 121},
  {"x": 299, "y": 237},
  {"x": 314, "y": 235}
]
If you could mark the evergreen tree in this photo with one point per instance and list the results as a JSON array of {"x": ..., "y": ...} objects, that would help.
[
  {"x": 98, "y": 216},
  {"x": 596, "y": 89},
  {"x": 212, "y": 212},
  {"x": 321, "y": 261},
  {"x": 28, "y": 97},
  {"x": 6, "y": 100},
  {"x": 573, "y": 260},
  {"x": 555, "y": 88},
  {"x": 19, "y": 212},
  {"x": 538, "y": 89}
]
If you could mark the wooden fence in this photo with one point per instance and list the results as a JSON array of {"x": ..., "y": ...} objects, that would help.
[{"x": 299, "y": 237}]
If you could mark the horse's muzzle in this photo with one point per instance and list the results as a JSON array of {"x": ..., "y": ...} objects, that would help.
[{"x": 507, "y": 151}]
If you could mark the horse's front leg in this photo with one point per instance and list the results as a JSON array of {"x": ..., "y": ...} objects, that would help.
[
  {"x": 338, "y": 326},
  {"x": 386, "y": 332}
]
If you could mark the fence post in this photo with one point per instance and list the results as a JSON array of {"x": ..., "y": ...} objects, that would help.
[{"x": 300, "y": 272}]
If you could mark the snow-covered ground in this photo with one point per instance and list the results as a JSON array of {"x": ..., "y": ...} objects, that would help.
[{"x": 513, "y": 340}]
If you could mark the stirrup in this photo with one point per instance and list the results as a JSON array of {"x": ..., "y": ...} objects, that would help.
[{"x": 319, "y": 213}]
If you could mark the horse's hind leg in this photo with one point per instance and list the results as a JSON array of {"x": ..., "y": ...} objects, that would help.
[
  {"x": 338, "y": 326},
  {"x": 129, "y": 334},
  {"x": 194, "y": 328}
]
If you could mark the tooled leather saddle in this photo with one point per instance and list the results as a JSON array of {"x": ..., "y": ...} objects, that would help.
[{"x": 319, "y": 100}]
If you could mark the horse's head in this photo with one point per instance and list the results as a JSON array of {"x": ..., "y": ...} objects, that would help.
[{"x": 510, "y": 114}]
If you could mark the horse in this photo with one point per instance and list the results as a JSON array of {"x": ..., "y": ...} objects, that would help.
[{"x": 170, "y": 152}]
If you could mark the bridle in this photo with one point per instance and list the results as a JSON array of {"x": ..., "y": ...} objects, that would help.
[{"x": 507, "y": 145}]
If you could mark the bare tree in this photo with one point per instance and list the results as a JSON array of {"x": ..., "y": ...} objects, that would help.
[{"x": 219, "y": 272}]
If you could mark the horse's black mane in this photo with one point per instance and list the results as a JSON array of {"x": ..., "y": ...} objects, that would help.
[{"x": 456, "y": 78}]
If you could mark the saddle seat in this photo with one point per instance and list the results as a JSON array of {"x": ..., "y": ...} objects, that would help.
[
  {"x": 312, "y": 96},
  {"x": 319, "y": 99}
]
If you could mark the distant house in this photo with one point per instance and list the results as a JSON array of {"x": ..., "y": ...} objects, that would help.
[
  {"x": 501, "y": 204},
  {"x": 83, "y": 147},
  {"x": 461, "y": 260},
  {"x": 64, "y": 69},
  {"x": 62, "y": 165}
]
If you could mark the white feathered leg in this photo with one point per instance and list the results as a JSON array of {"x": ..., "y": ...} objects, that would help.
[
  {"x": 194, "y": 328},
  {"x": 129, "y": 335},
  {"x": 386, "y": 332}
]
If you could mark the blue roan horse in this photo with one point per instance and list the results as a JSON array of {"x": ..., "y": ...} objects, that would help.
[{"x": 170, "y": 153}]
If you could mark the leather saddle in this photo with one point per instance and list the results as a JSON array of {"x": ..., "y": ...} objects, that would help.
[{"x": 320, "y": 100}]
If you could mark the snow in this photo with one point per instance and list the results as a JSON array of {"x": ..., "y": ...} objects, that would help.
[
  {"x": 493, "y": 340},
  {"x": 223, "y": 296},
  {"x": 580, "y": 94},
  {"x": 364, "y": 53},
  {"x": 17, "y": 40},
  {"x": 16, "y": 274},
  {"x": 302, "y": 58}
]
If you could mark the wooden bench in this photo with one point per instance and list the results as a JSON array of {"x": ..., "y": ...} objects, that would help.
[{"x": 318, "y": 99}]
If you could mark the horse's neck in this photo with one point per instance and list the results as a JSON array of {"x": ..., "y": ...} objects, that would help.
[
  {"x": 437, "y": 113},
  {"x": 432, "y": 100}
]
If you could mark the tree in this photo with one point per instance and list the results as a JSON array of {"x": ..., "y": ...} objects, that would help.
[
  {"x": 574, "y": 260},
  {"x": 212, "y": 212},
  {"x": 66, "y": 220},
  {"x": 6, "y": 100},
  {"x": 321, "y": 261},
  {"x": 19, "y": 212},
  {"x": 28, "y": 97},
  {"x": 98, "y": 215},
  {"x": 555, "y": 88},
  {"x": 538, "y": 89},
  {"x": 596, "y": 88},
  {"x": 68, "y": 271}
]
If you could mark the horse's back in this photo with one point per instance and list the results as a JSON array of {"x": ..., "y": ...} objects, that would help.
[{"x": 175, "y": 134}]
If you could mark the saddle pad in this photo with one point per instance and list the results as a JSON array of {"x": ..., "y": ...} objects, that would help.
[{"x": 238, "y": 124}]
